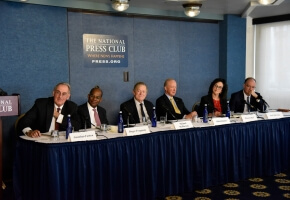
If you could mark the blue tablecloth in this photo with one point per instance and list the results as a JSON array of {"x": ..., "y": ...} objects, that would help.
[{"x": 154, "y": 165}]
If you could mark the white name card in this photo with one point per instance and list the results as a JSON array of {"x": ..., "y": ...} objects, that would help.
[
  {"x": 249, "y": 118},
  {"x": 82, "y": 136},
  {"x": 139, "y": 130},
  {"x": 220, "y": 120},
  {"x": 274, "y": 115},
  {"x": 182, "y": 125}
]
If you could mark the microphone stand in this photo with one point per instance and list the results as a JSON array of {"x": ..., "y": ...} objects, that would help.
[
  {"x": 97, "y": 131},
  {"x": 168, "y": 111}
]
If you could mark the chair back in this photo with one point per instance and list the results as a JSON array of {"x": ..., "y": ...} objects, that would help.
[{"x": 195, "y": 106}]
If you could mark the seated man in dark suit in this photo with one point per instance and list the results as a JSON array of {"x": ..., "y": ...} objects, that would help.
[
  {"x": 90, "y": 113},
  {"x": 137, "y": 109},
  {"x": 247, "y": 100},
  {"x": 170, "y": 105},
  {"x": 50, "y": 113}
]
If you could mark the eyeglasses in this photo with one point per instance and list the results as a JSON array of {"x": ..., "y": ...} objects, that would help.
[
  {"x": 95, "y": 97},
  {"x": 218, "y": 87},
  {"x": 252, "y": 87},
  {"x": 57, "y": 92}
]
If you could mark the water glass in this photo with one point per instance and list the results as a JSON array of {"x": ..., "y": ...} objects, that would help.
[
  {"x": 162, "y": 120},
  {"x": 104, "y": 127}
]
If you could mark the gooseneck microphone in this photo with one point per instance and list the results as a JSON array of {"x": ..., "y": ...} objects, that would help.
[
  {"x": 265, "y": 102},
  {"x": 129, "y": 117},
  {"x": 168, "y": 111},
  {"x": 251, "y": 106}
]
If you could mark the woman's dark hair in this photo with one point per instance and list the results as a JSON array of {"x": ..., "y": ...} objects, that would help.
[{"x": 223, "y": 94}]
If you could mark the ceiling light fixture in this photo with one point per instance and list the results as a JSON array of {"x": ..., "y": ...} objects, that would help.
[
  {"x": 266, "y": 2},
  {"x": 120, "y": 5},
  {"x": 191, "y": 9}
]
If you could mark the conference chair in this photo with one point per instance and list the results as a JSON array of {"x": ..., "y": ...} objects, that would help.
[{"x": 195, "y": 106}]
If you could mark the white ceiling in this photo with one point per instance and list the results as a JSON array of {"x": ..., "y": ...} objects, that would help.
[
  {"x": 219, "y": 7},
  {"x": 211, "y": 9}
]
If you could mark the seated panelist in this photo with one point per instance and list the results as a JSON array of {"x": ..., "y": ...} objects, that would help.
[
  {"x": 50, "y": 113},
  {"x": 137, "y": 108},
  {"x": 171, "y": 105},
  {"x": 216, "y": 99},
  {"x": 247, "y": 100},
  {"x": 90, "y": 113}
]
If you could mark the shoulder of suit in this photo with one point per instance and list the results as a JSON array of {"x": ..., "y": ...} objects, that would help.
[
  {"x": 128, "y": 102},
  {"x": 148, "y": 102},
  {"x": 83, "y": 105},
  {"x": 101, "y": 108},
  {"x": 177, "y": 98},
  {"x": 70, "y": 103},
  {"x": 237, "y": 93}
]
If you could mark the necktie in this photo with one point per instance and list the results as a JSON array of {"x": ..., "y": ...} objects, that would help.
[
  {"x": 56, "y": 125},
  {"x": 97, "y": 118},
  {"x": 248, "y": 101},
  {"x": 174, "y": 106},
  {"x": 142, "y": 111}
]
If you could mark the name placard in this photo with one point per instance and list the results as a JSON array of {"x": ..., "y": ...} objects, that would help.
[
  {"x": 249, "y": 118},
  {"x": 82, "y": 136},
  {"x": 182, "y": 125},
  {"x": 139, "y": 130},
  {"x": 220, "y": 120},
  {"x": 273, "y": 115}
]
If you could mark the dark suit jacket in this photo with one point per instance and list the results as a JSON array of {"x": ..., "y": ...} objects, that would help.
[
  {"x": 130, "y": 107},
  {"x": 163, "y": 106},
  {"x": 84, "y": 115},
  {"x": 237, "y": 102},
  {"x": 40, "y": 116},
  {"x": 210, "y": 106}
]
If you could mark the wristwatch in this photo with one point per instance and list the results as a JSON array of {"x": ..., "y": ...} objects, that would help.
[{"x": 258, "y": 100}]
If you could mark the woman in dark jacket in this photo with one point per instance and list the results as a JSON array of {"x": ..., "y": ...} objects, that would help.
[{"x": 216, "y": 99}]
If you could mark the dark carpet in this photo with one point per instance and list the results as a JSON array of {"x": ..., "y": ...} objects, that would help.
[{"x": 274, "y": 187}]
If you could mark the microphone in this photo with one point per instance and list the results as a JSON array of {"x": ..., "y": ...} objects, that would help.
[
  {"x": 86, "y": 118},
  {"x": 168, "y": 111},
  {"x": 129, "y": 117},
  {"x": 265, "y": 102},
  {"x": 248, "y": 104}
]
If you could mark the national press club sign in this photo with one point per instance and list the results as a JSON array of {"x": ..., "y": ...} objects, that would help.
[
  {"x": 9, "y": 105},
  {"x": 105, "y": 50}
]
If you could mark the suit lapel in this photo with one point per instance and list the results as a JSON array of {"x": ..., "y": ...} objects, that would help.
[{"x": 49, "y": 113}]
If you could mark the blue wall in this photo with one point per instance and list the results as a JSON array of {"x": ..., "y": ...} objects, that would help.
[
  {"x": 33, "y": 58},
  {"x": 233, "y": 52},
  {"x": 42, "y": 45},
  {"x": 158, "y": 49}
]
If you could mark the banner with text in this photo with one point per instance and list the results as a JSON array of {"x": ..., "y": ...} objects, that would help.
[{"x": 105, "y": 50}]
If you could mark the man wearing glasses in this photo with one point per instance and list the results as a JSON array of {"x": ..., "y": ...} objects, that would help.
[
  {"x": 90, "y": 113},
  {"x": 50, "y": 113},
  {"x": 247, "y": 100}
]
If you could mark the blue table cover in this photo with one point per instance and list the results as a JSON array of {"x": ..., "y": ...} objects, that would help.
[{"x": 153, "y": 165}]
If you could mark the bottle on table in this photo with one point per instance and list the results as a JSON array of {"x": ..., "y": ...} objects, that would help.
[
  {"x": 154, "y": 119},
  {"x": 120, "y": 123},
  {"x": 228, "y": 113},
  {"x": 205, "y": 114},
  {"x": 69, "y": 127}
]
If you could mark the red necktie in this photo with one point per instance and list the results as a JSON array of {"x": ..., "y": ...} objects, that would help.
[
  {"x": 97, "y": 118},
  {"x": 56, "y": 125}
]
